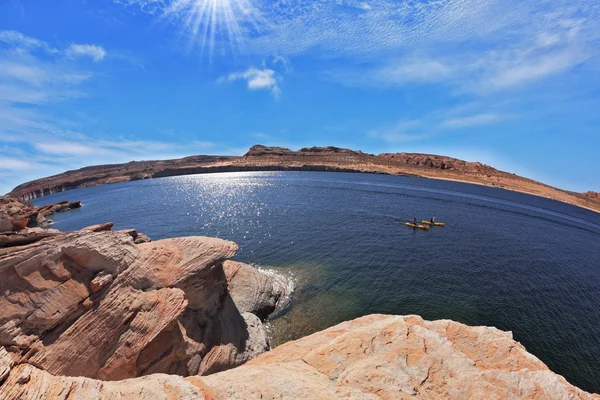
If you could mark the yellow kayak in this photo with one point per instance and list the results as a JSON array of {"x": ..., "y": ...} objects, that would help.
[
  {"x": 435, "y": 223},
  {"x": 424, "y": 227}
]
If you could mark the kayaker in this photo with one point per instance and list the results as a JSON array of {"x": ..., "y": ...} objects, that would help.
[
  {"x": 415, "y": 220},
  {"x": 432, "y": 220}
]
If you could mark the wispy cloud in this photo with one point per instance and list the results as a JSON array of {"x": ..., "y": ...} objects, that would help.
[
  {"x": 471, "y": 120},
  {"x": 435, "y": 124},
  {"x": 259, "y": 79},
  {"x": 17, "y": 164},
  {"x": 66, "y": 148},
  {"x": 19, "y": 43},
  {"x": 95, "y": 52},
  {"x": 401, "y": 132}
]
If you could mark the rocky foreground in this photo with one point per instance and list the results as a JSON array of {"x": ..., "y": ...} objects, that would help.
[
  {"x": 332, "y": 159},
  {"x": 93, "y": 315}
]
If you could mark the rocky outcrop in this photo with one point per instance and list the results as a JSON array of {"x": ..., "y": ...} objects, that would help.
[
  {"x": 16, "y": 215},
  {"x": 94, "y": 304},
  {"x": 25, "y": 236},
  {"x": 260, "y": 150},
  {"x": 592, "y": 195},
  {"x": 254, "y": 291},
  {"x": 107, "y": 226},
  {"x": 138, "y": 237},
  {"x": 373, "y": 357}
]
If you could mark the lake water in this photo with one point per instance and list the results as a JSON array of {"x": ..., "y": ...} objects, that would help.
[{"x": 517, "y": 262}]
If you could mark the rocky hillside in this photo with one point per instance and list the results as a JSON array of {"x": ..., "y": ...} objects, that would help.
[
  {"x": 332, "y": 159},
  {"x": 104, "y": 174}
]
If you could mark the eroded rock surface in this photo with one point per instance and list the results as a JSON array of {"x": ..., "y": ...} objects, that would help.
[
  {"x": 94, "y": 304},
  {"x": 373, "y": 357},
  {"x": 395, "y": 357},
  {"x": 254, "y": 291}
]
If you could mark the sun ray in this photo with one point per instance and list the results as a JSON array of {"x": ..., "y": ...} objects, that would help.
[{"x": 206, "y": 23}]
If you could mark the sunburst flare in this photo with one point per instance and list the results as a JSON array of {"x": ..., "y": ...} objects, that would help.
[{"x": 206, "y": 22}]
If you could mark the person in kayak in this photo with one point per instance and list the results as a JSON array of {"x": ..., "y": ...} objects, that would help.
[{"x": 415, "y": 220}]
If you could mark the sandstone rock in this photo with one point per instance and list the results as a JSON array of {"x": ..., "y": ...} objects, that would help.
[
  {"x": 100, "y": 281},
  {"x": 260, "y": 150},
  {"x": 141, "y": 238},
  {"x": 131, "y": 232},
  {"x": 5, "y": 223},
  {"x": 19, "y": 224},
  {"x": 94, "y": 304},
  {"x": 41, "y": 385},
  {"x": 45, "y": 284},
  {"x": 138, "y": 238},
  {"x": 22, "y": 215},
  {"x": 6, "y": 363},
  {"x": 100, "y": 227},
  {"x": 382, "y": 356},
  {"x": 373, "y": 357},
  {"x": 239, "y": 337},
  {"x": 252, "y": 290},
  {"x": 26, "y": 236}
]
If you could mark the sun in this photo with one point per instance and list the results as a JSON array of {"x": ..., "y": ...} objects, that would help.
[{"x": 208, "y": 22}]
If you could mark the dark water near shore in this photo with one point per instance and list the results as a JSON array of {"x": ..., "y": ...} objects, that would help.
[{"x": 517, "y": 262}]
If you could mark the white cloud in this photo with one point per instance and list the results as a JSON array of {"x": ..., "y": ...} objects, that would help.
[
  {"x": 16, "y": 164},
  {"x": 93, "y": 51},
  {"x": 20, "y": 43},
  {"x": 435, "y": 124},
  {"x": 402, "y": 132},
  {"x": 259, "y": 79},
  {"x": 395, "y": 73},
  {"x": 66, "y": 148},
  {"x": 471, "y": 120},
  {"x": 533, "y": 69}
]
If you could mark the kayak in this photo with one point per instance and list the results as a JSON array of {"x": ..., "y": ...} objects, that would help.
[
  {"x": 435, "y": 223},
  {"x": 424, "y": 227}
]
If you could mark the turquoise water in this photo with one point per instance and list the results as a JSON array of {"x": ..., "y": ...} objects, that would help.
[{"x": 517, "y": 262}]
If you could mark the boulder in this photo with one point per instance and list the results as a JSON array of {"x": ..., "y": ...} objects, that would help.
[
  {"x": 141, "y": 238},
  {"x": 254, "y": 291},
  {"x": 138, "y": 238}
]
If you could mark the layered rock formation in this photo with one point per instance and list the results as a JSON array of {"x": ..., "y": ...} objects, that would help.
[
  {"x": 94, "y": 304},
  {"x": 374, "y": 357}
]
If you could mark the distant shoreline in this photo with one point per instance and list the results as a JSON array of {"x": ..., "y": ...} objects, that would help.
[{"x": 330, "y": 159}]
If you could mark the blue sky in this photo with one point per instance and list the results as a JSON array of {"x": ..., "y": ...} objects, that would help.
[{"x": 514, "y": 84}]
